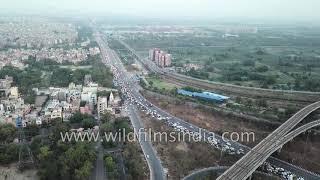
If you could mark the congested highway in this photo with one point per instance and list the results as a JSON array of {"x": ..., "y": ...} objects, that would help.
[
  {"x": 130, "y": 91},
  {"x": 121, "y": 80},
  {"x": 287, "y": 170}
]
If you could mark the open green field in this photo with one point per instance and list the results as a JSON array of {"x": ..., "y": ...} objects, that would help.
[
  {"x": 280, "y": 57},
  {"x": 159, "y": 84}
]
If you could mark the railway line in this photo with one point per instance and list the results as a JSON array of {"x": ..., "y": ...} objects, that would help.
[
  {"x": 253, "y": 92},
  {"x": 256, "y": 156},
  {"x": 290, "y": 96}
]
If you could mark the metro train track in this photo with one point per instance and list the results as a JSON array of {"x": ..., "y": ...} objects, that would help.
[
  {"x": 287, "y": 95},
  {"x": 294, "y": 96}
]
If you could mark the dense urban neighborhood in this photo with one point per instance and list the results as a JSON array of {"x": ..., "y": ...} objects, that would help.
[{"x": 90, "y": 96}]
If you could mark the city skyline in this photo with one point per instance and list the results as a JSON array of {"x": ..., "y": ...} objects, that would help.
[
  {"x": 209, "y": 9},
  {"x": 159, "y": 89}
]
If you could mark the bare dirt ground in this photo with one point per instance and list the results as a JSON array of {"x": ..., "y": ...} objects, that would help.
[
  {"x": 209, "y": 120},
  {"x": 181, "y": 158},
  {"x": 12, "y": 173},
  {"x": 300, "y": 152}
]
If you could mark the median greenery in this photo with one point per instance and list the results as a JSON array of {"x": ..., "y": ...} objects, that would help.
[{"x": 129, "y": 154}]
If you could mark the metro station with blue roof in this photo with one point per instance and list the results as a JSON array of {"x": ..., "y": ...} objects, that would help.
[{"x": 204, "y": 95}]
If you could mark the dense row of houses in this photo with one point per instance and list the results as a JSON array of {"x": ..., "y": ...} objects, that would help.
[{"x": 52, "y": 103}]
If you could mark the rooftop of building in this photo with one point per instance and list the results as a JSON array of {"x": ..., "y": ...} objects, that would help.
[{"x": 206, "y": 95}]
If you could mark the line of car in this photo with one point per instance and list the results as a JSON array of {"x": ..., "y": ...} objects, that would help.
[
  {"x": 130, "y": 92},
  {"x": 281, "y": 172},
  {"x": 145, "y": 106},
  {"x": 223, "y": 145}
]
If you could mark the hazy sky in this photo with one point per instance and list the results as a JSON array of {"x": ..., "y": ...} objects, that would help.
[{"x": 301, "y": 9}]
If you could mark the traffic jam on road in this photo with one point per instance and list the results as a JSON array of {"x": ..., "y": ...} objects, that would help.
[
  {"x": 132, "y": 97},
  {"x": 223, "y": 145},
  {"x": 280, "y": 172}
]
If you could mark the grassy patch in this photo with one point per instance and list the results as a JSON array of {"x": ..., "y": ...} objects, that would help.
[{"x": 159, "y": 84}]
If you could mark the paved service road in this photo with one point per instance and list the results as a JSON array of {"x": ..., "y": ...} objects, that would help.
[
  {"x": 99, "y": 171},
  {"x": 157, "y": 172}
]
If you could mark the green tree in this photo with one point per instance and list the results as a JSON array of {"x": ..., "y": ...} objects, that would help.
[
  {"x": 107, "y": 117},
  {"x": 134, "y": 162},
  {"x": 88, "y": 123},
  {"x": 45, "y": 153},
  {"x": 62, "y": 160},
  {"x": 106, "y": 127},
  {"x": 57, "y": 128},
  {"x": 263, "y": 68},
  {"x": 9, "y": 153},
  {"x": 151, "y": 83},
  {"x": 61, "y": 77},
  {"x": 110, "y": 164},
  {"x": 122, "y": 124},
  {"x": 84, "y": 172},
  {"x": 78, "y": 117},
  {"x": 75, "y": 159},
  {"x": 7, "y": 133},
  {"x": 48, "y": 167},
  {"x": 78, "y": 75}
]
